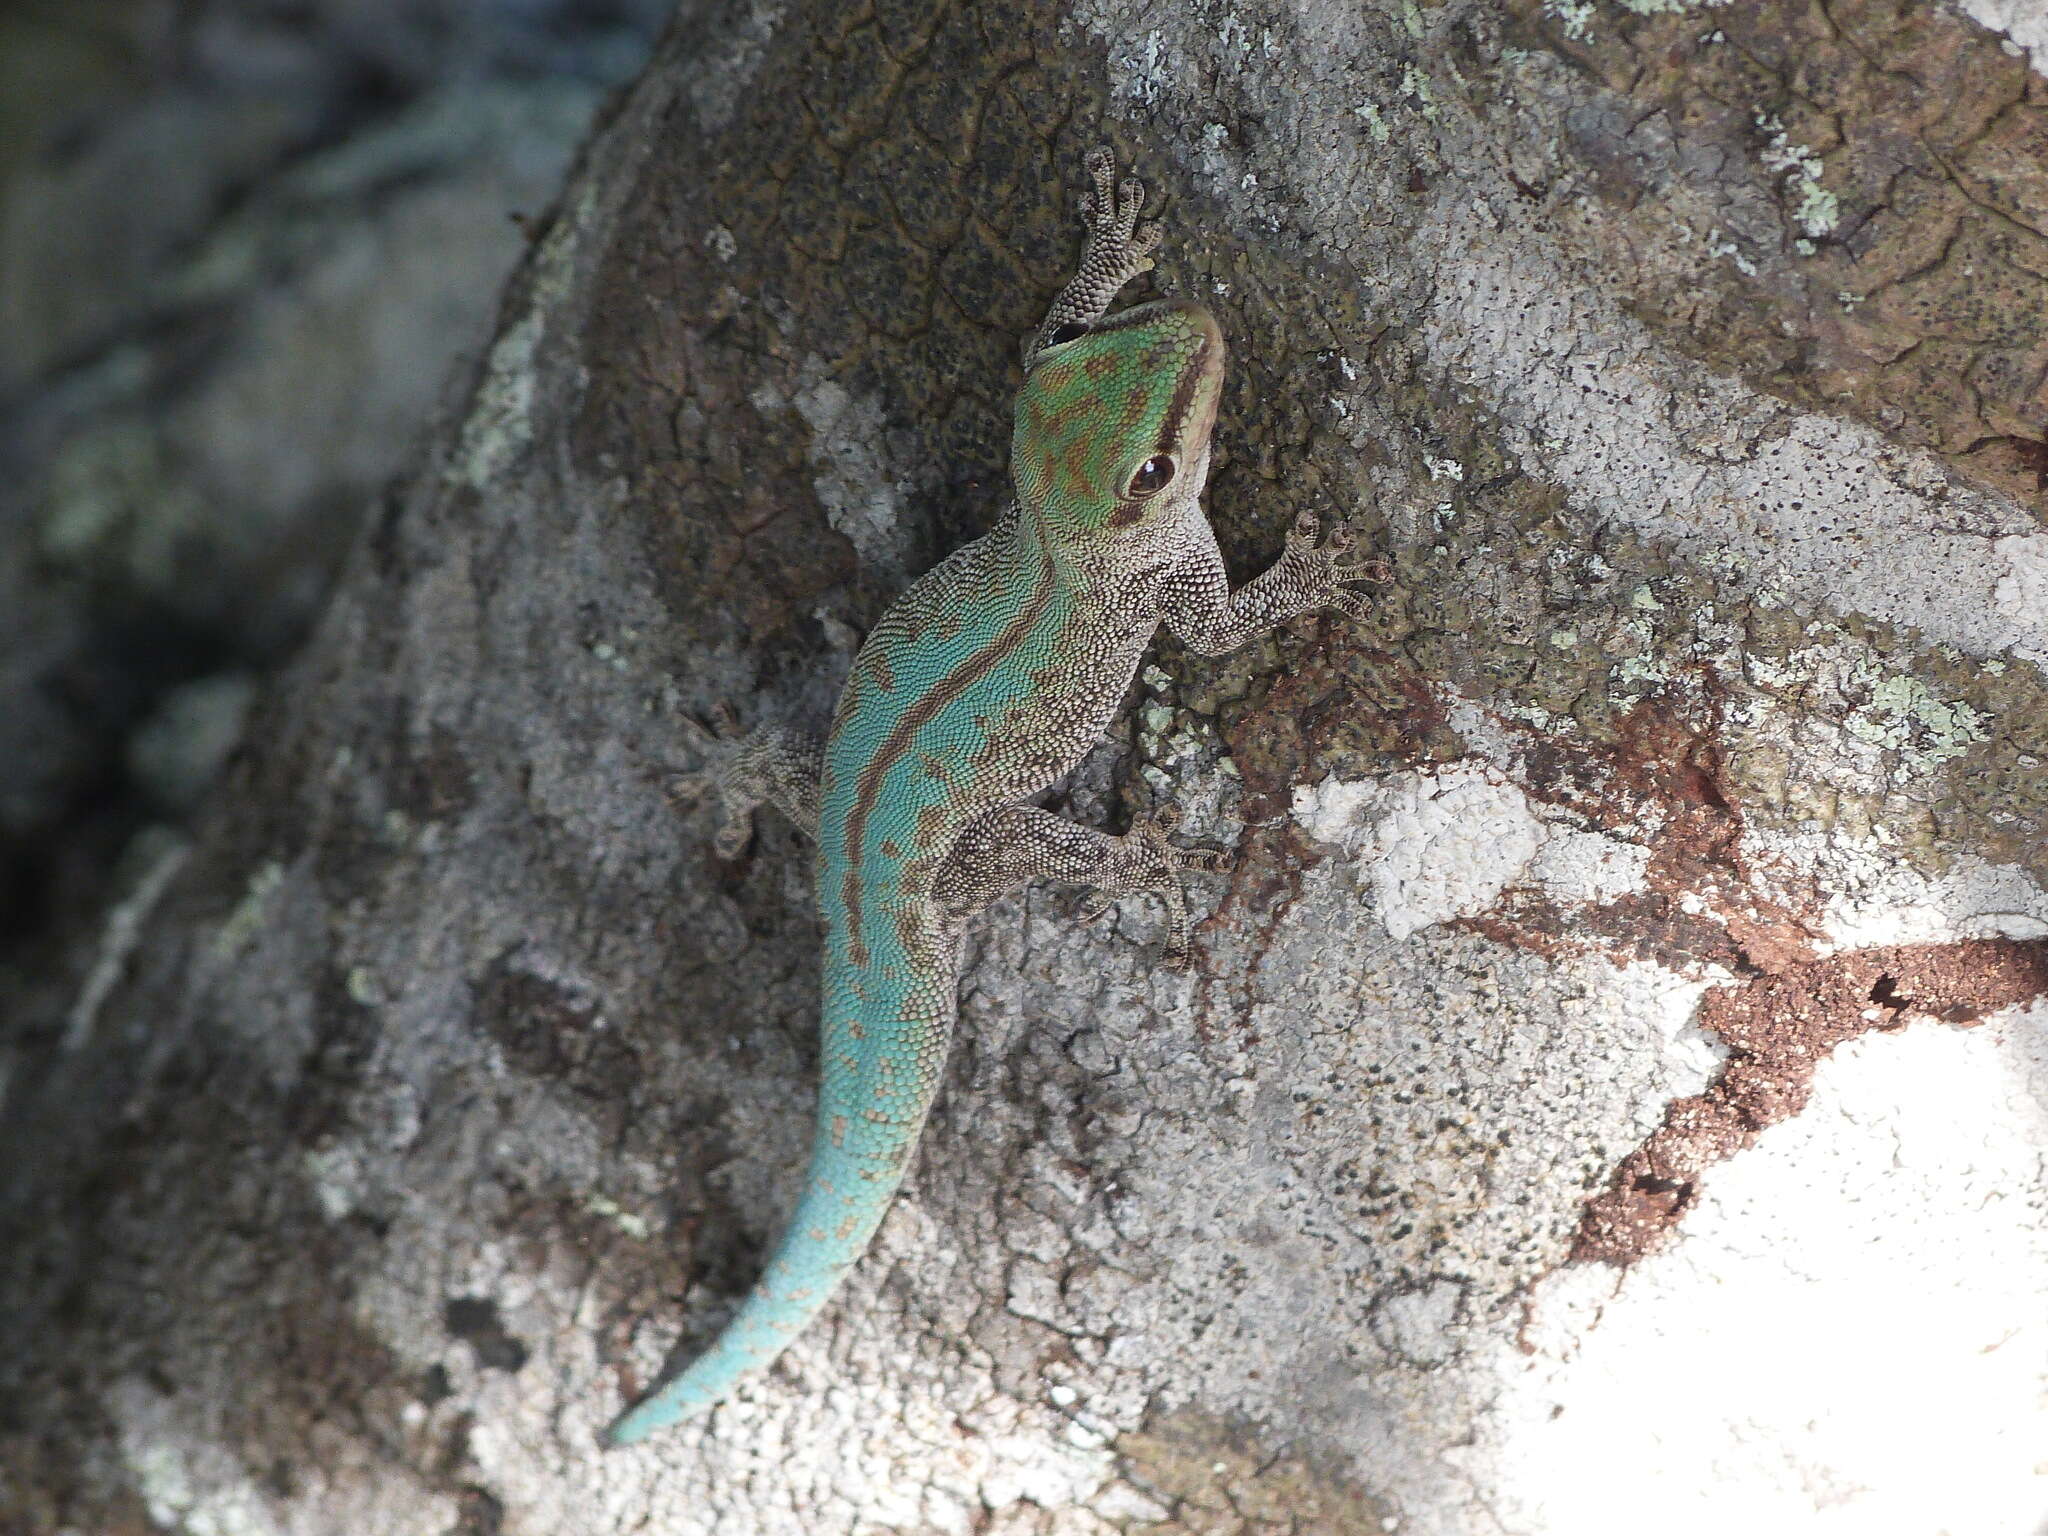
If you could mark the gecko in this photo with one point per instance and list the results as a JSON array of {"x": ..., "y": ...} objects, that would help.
[{"x": 984, "y": 684}]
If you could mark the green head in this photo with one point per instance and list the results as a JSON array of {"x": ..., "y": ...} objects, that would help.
[{"x": 1113, "y": 422}]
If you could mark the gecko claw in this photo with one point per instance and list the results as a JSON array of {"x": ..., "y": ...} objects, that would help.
[
  {"x": 724, "y": 727},
  {"x": 1326, "y": 566},
  {"x": 1146, "y": 861},
  {"x": 686, "y": 789}
]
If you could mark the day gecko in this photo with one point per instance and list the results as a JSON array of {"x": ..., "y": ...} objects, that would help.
[{"x": 981, "y": 686}]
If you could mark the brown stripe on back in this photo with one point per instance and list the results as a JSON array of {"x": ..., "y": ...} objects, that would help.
[
  {"x": 849, "y": 895},
  {"x": 904, "y": 732}
]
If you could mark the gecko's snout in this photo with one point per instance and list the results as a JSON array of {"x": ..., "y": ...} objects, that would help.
[{"x": 1183, "y": 329}]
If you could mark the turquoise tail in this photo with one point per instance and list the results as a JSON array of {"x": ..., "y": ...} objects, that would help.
[{"x": 867, "y": 1126}]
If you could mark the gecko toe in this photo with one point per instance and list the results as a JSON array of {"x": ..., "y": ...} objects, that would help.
[{"x": 685, "y": 790}]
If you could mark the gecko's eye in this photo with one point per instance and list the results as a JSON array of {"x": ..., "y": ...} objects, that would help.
[
  {"x": 1062, "y": 334},
  {"x": 1151, "y": 477}
]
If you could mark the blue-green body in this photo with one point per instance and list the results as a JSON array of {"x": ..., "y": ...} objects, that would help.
[
  {"x": 966, "y": 698},
  {"x": 943, "y": 719}
]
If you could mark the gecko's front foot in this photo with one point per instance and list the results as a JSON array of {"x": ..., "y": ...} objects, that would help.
[
  {"x": 1116, "y": 241},
  {"x": 1116, "y": 249},
  {"x": 1324, "y": 569},
  {"x": 1144, "y": 859}
]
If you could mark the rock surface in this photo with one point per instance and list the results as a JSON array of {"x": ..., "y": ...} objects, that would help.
[{"x": 1610, "y": 1093}]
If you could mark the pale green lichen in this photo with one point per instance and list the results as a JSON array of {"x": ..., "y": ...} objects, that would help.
[
  {"x": 1897, "y": 731},
  {"x": 1642, "y": 672},
  {"x": 1815, "y": 209},
  {"x": 1819, "y": 210},
  {"x": 1903, "y": 716},
  {"x": 609, "y": 1210},
  {"x": 499, "y": 426},
  {"x": 339, "y": 1181},
  {"x": 1716, "y": 246},
  {"x": 1576, "y": 16},
  {"x": 247, "y": 917},
  {"x": 1416, "y": 84}
]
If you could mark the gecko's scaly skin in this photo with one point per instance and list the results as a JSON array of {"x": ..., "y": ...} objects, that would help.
[{"x": 984, "y": 683}]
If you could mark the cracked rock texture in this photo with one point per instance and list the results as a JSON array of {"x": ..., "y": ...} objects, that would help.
[{"x": 1610, "y": 1094}]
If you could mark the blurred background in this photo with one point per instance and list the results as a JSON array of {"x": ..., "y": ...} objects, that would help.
[{"x": 244, "y": 245}]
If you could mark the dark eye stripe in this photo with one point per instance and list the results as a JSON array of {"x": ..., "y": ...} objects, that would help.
[{"x": 1177, "y": 408}]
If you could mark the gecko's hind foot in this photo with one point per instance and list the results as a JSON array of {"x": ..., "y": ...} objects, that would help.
[
  {"x": 730, "y": 771},
  {"x": 1145, "y": 859}
]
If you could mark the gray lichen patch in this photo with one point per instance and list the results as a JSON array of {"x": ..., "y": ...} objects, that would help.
[{"x": 862, "y": 498}]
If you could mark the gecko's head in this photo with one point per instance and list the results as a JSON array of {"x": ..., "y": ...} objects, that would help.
[{"x": 1113, "y": 421}]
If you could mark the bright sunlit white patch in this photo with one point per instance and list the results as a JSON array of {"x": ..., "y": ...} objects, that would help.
[{"x": 1847, "y": 1336}]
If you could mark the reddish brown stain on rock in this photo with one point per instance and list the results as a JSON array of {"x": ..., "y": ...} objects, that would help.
[{"x": 1778, "y": 1028}]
